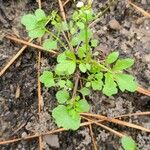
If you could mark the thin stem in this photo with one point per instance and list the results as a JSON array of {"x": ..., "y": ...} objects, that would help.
[
  {"x": 102, "y": 66},
  {"x": 56, "y": 39}
]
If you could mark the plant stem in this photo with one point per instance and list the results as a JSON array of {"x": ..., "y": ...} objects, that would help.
[
  {"x": 75, "y": 87},
  {"x": 56, "y": 39},
  {"x": 102, "y": 66}
]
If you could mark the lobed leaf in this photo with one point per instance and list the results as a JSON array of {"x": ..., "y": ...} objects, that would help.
[
  {"x": 64, "y": 119},
  {"x": 84, "y": 91},
  {"x": 40, "y": 14},
  {"x": 110, "y": 86},
  {"x": 126, "y": 82},
  {"x": 66, "y": 67},
  {"x": 62, "y": 96},
  {"x": 47, "y": 79},
  {"x": 82, "y": 106},
  {"x": 82, "y": 67},
  {"x": 128, "y": 143},
  {"x": 29, "y": 21},
  {"x": 112, "y": 58},
  {"x": 122, "y": 64},
  {"x": 49, "y": 44}
]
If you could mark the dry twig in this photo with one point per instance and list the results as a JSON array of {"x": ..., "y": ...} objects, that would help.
[{"x": 13, "y": 59}]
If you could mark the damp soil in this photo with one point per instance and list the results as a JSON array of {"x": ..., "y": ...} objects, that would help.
[{"x": 123, "y": 29}]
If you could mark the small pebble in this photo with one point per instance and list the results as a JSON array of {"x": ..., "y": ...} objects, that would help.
[{"x": 114, "y": 24}]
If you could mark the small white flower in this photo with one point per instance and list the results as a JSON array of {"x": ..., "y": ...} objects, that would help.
[{"x": 80, "y": 4}]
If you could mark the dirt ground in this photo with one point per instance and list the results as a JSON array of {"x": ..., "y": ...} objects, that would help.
[{"x": 123, "y": 29}]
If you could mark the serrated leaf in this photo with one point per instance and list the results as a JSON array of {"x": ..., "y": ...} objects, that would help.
[
  {"x": 94, "y": 43},
  {"x": 84, "y": 91},
  {"x": 112, "y": 57},
  {"x": 29, "y": 21},
  {"x": 128, "y": 143},
  {"x": 80, "y": 25},
  {"x": 110, "y": 86},
  {"x": 96, "y": 85},
  {"x": 62, "y": 96},
  {"x": 82, "y": 67},
  {"x": 126, "y": 82},
  {"x": 82, "y": 106},
  {"x": 50, "y": 44},
  {"x": 122, "y": 64},
  {"x": 64, "y": 119},
  {"x": 40, "y": 14},
  {"x": 47, "y": 79},
  {"x": 35, "y": 33}
]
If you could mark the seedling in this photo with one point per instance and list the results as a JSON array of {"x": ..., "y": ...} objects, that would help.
[{"x": 77, "y": 61}]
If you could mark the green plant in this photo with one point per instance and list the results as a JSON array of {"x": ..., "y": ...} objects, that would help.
[
  {"x": 128, "y": 143},
  {"x": 76, "y": 61}
]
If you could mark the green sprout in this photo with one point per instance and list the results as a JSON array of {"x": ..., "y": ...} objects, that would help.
[{"x": 76, "y": 57}]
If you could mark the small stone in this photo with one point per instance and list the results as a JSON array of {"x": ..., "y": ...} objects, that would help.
[
  {"x": 114, "y": 24},
  {"x": 52, "y": 140},
  {"x": 24, "y": 134},
  {"x": 147, "y": 58}
]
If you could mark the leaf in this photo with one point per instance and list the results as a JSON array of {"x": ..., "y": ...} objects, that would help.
[
  {"x": 94, "y": 43},
  {"x": 128, "y": 143},
  {"x": 70, "y": 55},
  {"x": 80, "y": 25},
  {"x": 69, "y": 84},
  {"x": 40, "y": 14},
  {"x": 50, "y": 44},
  {"x": 29, "y": 21},
  {"x": 84, "y": 91},
  {"x": 126, "y": 82},
  {"x": 73, "y": 30},
  {"x": 82, "y": 106},
  {"x": 88, "y": 84},
  {"x": 36, "y": 33},
  {"x": 66, "y": 67},
  {"x": 88, "y": 66},
  {"x": 61, "y": 83},
  {"x": 122, "y": 64},
  {"x": 64, "y": 26},
  {"x": 61, "y": 57},
  {"x": 97, "y": 85},
  {"x": 62, "y": 96},
  {"x": 64, "y": 119},
  {"x": 47, "y": 79},
  {"x": 82, "y": 34},
  {"x": 110, "y": 85},
  {"x": 82, "y": 67},
  {"x": 81, "y": 51},
  {"x": 112, "y": 57},
  {"x": 99, "y": 76},
  {"x": 74, "y": 114},
  {"x": 75, "y": 41}
]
